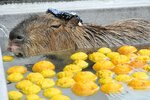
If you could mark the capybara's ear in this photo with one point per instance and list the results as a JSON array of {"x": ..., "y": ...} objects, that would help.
[{"x": 74, "y": 21}]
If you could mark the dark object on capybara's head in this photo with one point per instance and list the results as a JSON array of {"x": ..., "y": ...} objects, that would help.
[
  {"x": 63, "y": 14},
  {"x": 42, "y": 34}
]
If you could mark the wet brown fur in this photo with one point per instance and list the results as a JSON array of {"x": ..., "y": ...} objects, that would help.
[{"x": 45, "y": 33}]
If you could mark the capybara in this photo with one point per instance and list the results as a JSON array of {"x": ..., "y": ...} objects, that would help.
[{"x": 45, "y": 33}]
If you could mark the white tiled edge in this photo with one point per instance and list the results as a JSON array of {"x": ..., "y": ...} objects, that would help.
[
  {"x": 3, "y": 88},
  {"x": 72, "y": 5}
]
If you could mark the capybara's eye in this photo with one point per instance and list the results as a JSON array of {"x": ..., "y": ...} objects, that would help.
[{"x": 55, "y": 26}]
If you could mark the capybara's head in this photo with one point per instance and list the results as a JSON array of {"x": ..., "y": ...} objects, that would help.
[{"x": 41, "y": 34}]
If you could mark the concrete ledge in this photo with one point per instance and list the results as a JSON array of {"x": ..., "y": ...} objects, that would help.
[
  {"x": 71, "y": 5},
  {"x": 96, "y": 16}
]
